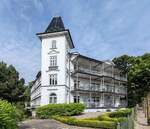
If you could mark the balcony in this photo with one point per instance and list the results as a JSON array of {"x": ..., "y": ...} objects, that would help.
[
  {"x": 36, "y": 86},
  {"x": 102, "y": 103},
  {"x": 86, "y": 70},
  {"x": 105, "y": 104},
  {"x": 101, "y": 73},
  {"x": 101, "y": 88},
  {"x": 123, "y": 78}
]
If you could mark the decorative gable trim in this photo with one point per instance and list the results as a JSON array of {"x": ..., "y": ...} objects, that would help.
[{"x": 53, "y": 52}]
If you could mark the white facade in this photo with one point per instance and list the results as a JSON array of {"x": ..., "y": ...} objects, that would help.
[
  {"x": 60, "y": 52},
  {"x": 100, "y": 85},
  {"x": 36, "y": 93}
]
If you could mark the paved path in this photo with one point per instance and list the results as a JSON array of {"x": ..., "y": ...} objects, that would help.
[
  {"x": 89, "y": 115},
  {"x": 141, "y": 122},
  {"x": 46, "y": 124}
]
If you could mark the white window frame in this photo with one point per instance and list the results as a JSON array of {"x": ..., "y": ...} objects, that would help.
[
  {"x": 53, "y": 61},
  {"x": 53, "y": 98},
  {"x": 53, "y": 79},
  {"x": 76, "y": 99}
]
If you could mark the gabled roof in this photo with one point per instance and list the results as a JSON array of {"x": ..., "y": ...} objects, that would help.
[
  {"x": 55, "y": 25},
  {"x": 85, "y": 57}
]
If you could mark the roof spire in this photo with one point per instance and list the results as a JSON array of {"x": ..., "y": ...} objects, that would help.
[{"x": 55, "y": 25}]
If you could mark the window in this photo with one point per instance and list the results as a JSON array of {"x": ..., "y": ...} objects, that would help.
[
  {"x": 53, "y": 60},
  {"x": 53, "y": 79},
  {"x": 52, "y": 98},
  {"x": 76, "y": 85},
  {"x": 95, "y": 99},
  {"x": 53, "y": 44},
  {"x": 76, "y": 99}
]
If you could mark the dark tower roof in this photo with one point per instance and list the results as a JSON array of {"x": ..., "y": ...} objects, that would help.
[{"x": 55, "y": 25}]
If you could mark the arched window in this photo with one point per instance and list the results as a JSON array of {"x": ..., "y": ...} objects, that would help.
[
  {"x": 53, "y": 44},
  {"x": 52, "y": 98}
]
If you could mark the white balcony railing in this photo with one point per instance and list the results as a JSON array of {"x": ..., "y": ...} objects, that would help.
[
  {"x": 102, "y": 73},
  {"x": 102, "y": 88}
]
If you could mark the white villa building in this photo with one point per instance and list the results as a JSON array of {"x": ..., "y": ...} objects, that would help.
[{"x": 69, "y": 77}]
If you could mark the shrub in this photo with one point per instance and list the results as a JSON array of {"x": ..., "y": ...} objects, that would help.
[
  {"x": 148, "y": 120},
  {"x": 59, "y": 109},
  {"x": 21, "y": 111},
  {"x": 96, "y": 124},
  {"x": 121, "y": 113},
  {"x": 86, "y": 122},
  {"x": 8, "y": 116},
  {"x": 107, "y": 117},
  {"x": 65, "y": 119}
]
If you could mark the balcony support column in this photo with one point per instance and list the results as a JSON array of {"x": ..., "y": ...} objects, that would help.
[
  {"x": 103, "y": 67},
  {"x": 90, "y": 86},
  {"x": 69, "y": 78},
  {"x": 113, "y": 83},
  {"x": 77, "y": 81},
  {"x": 126, "y": 95},
  {"x": 103, "y": 85}
]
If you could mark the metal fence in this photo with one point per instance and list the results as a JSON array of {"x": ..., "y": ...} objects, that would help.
[{"x": 129, "y": 123}]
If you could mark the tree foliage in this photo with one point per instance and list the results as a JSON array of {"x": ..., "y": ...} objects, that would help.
[
  {"x": 138, "y": 71},
  {"x": 8, "y": 115},
  {"x": 27, "y": 92},
  {"x": 123, "y": 63},
  {"x": 11, "y": 86}
]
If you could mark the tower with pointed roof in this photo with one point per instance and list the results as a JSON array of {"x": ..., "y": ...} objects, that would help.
[{"x": 56, "y": 43}]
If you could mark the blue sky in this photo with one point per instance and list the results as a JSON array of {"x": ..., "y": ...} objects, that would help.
[{"x": 102, "y": 29}]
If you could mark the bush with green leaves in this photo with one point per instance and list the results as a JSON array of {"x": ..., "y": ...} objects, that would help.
[
  {"x": 106, "y": 117},
  {"x": 50, "y": 110},
  {"x": 8, "y": 115},
  {"x": 117, "y": 116},
  {"x": 97, "y": 124},
  {"x": 21, "y": 111},
  {"x": 121, "y": 113},
  {"x": 148, "y": 120}
]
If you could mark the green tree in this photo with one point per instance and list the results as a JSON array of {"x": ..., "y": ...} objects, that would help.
[
  {"x": 123, "y": 62},
  {"x": 11, "y": 86},
  {"x": 139, "y": 79},
  {"x": 138, "y": 71},
  {"x": 27, "y": 92}
]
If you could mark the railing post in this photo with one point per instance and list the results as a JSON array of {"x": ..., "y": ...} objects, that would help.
[{"x": 118, "y": 126}]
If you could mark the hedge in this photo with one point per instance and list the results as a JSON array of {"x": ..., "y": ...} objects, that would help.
[
  {"x": 86, "y": 122},
  {"x": 121, "y": 113},
  {"x": 49, "y": 110},
  {"x": 106, "y": 117},
  {"x": 105, "y": 121},
  {"x": 8, "y": 116}
]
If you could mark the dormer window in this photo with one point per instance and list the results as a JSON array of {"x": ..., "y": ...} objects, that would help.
[{"x": 53, "y": 44}]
